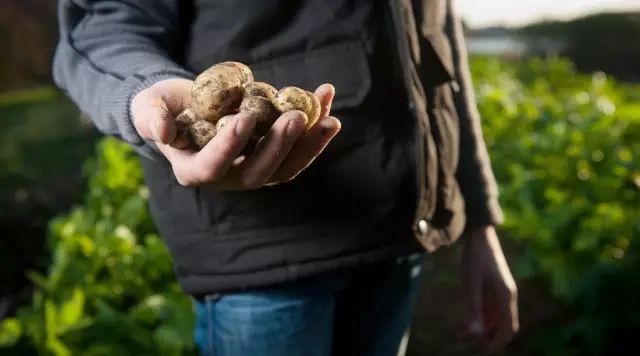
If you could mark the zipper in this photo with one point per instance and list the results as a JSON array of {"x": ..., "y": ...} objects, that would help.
[{"x": 404, "y": 53}]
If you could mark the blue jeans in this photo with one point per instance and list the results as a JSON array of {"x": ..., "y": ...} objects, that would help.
[{"x": 364, "y": 311}]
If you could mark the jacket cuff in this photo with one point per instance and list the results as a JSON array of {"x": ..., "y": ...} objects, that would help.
[
  {"x": 120, "y": 106},
  {"x": 490, "y": 213}
]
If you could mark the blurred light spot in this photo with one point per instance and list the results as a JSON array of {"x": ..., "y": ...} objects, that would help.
[
  {"x": 636, "y": 180},
  {"x": 559, "y": 129},
  {"x": 583, "y": 174},
  {"x": 574, "y": 118},
  {"x": 618, "y": 253},
  {"x": 103, "y": 252},
  {"x": 582, "y": 97},
  {"x": 21, "y": 195},
  {"x": 597, "y": 156},
  {"x": 124, "y": 233},
  {"x": 599, "y": 78},
  {"x": 606, "y": 106},
  {"x": 144, "y": 192},
  {"x": 625, "y": 155}
]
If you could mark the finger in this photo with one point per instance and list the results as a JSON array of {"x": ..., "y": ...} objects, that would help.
[
  {"x": 273, "y": 149},
  {"x": 502, "y": 335},
  {"x": 472, "y": 295},
  {"x": 306, "y": 149},
  {"x": 325, "y": 93},
  {"x": 506, "y": 324},
  {"x": 213, "y": 161},
  {"x": 153, "y": 121}
]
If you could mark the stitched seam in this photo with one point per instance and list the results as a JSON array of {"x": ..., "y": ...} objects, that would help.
[{"x": 85, "y": 56}]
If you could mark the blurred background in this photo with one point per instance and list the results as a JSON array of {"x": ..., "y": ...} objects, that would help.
[{"x": 83, "y": 271}]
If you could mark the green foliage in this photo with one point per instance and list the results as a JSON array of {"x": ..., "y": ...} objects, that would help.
[
  {"x": 110, "y": 288},
  {"x": 565, "y": 150}
]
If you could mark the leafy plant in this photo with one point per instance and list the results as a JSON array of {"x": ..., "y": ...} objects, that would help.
[
  {"x": 565, "y": 152},
  {"x": 110, "y": 288}
]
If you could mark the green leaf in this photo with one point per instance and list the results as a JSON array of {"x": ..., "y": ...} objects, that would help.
[
  {"x": 56, "y": 347},
  {"x": 50, "y": 318},
  {"x": 71, "y": 311},
  {"x": 10, "y": 332}
]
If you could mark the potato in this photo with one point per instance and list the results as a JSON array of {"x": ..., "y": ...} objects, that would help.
[
  {"x": 314, "y": 114},
  {"x": 293, "y": 98},
  {"x": 201, "y": 132},
  {"x": 228, "y": 87},
  {"x": 224, "y": 121},
  {"x": 246, "y": 76},
  {"x": 262, "y": 109},
  {"x": 259, "y": 89},
  {"x": 183, "y": 122},
  {"x": 251, "y": 142},
  {"x": 218, "y": 90}
]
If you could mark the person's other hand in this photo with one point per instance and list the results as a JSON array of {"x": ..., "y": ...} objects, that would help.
[
  {"x": 280, "y": 156},
  {"x": 490, "y": 293}
]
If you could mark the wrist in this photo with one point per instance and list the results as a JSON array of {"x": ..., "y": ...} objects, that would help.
[{"x": 477, "y": 232}]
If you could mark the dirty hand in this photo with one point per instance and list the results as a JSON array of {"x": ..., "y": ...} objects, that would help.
[{"x": 285, "y": 151}]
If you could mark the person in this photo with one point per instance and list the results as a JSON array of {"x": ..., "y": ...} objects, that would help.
[{"x": 313, "y": 244}]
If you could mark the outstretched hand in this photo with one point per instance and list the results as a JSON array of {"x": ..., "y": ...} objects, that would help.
[{"x": 280, "y": 156}]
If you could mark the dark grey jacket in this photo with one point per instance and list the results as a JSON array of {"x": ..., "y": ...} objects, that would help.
[{"x": 410, "y": 160}]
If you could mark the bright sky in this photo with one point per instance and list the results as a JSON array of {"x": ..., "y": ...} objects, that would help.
[{"x": 480, "y": 13}]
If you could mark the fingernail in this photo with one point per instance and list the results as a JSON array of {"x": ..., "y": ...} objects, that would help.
[
  {"x": 295, "y": 126},
  {"x": 245, "y": 126},
  {"x": 332, "y": 89},
  {"x": 329, "y": 126}
]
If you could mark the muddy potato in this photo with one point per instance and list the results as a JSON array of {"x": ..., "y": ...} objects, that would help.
[
  {"x": 218, "y": 90},
  {"x": 241, "y": 69},
  {"x": 224, "y": 121},
  {"x": 201, "y": 132},
  {"x": 314, "y": 114},
  {"x": 293, "y": 98},
  {"x": 249, "y": 147},
  {"x": 262, "y": 109},
  {"x": 259, "y": 89},
  {"x": 183, "y": 122}
]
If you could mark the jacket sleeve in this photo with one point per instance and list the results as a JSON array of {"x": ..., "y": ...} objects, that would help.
[
  {"x": 475, "y": 176},
  {"x": 110, "y": 50}
]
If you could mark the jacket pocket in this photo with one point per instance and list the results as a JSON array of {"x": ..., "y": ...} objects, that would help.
[{"x": 345, "y": 65}]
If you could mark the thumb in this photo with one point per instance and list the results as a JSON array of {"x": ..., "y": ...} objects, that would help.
[{"x": 153, "y": 121}]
